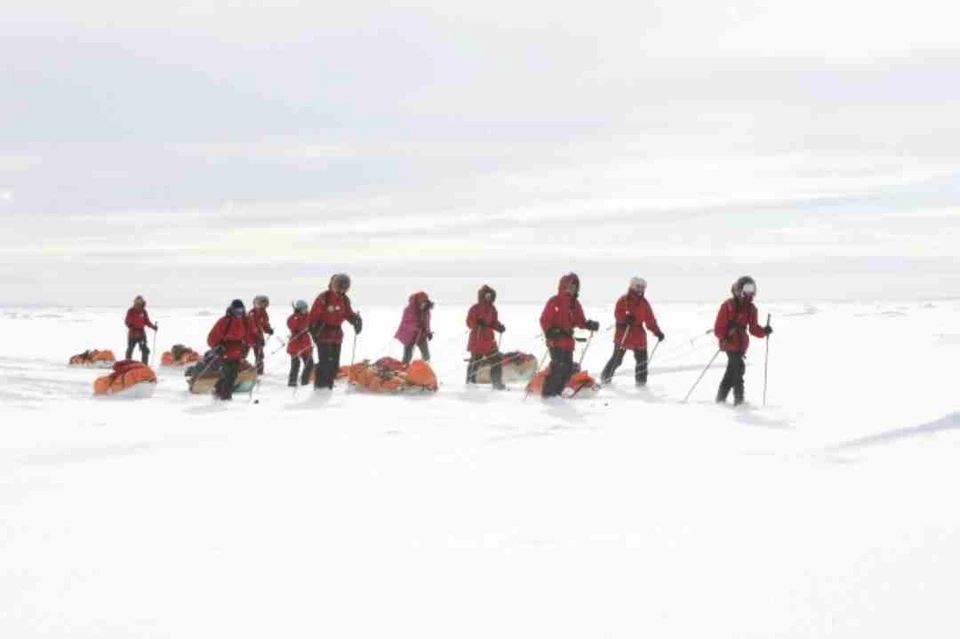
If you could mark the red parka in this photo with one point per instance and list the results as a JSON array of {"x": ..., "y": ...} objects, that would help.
[
  {"x": 639, "y": 308},
  {"x": 260, "y": 321},
  {"x": 330, "y": 309},
  {"x": 736, "y": 316},
  {"x": 562, "y": 312},
  {"x": 236, "y": 334},
  {"x": 299, "y": 343},
  {"x": 136, "y": 320},
  {"x": 482, "y": 338}
]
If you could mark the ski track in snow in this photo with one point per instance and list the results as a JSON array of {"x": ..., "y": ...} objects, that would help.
[{"x": 472, "y": 513}]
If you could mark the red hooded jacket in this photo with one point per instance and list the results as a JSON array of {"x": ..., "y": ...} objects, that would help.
[
  {"x": 482, "y": 338},
  {"x": 136, "y": 320},
  {"x": 235, "y": 333},
  {"x": 744, "y": 314},
  {"x": 330, "y": 309},
  {"x": 260, "y": 321},
  {"x": 637, "y": 306},
  {"x": 299, "y": 343},
  {"x": 565, "y": 313}
]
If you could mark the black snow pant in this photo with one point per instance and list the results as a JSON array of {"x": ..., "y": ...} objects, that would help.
[
  {"x": 258, "y": 356},
  {"x": 328, "y": 364},
  {"x": 229, "y": 369},
  {"x": 492, "y": 359},
  {"x": 424, "y": 351},
  {"x": 561, "y": 369},
  {"x": 142, "y": 343},
  {"x": 733, "y": 378},
  {"x": 639, "y": 373},
  {"x": 295, "y": 369}
]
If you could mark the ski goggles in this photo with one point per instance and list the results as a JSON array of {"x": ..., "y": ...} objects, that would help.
[{"x": 749, "y": 289}]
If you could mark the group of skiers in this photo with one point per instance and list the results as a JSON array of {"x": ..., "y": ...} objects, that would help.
[{"x": 320, "y": 327}]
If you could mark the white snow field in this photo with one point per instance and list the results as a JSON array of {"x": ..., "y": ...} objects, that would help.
[{"x": 470, "y": 513}]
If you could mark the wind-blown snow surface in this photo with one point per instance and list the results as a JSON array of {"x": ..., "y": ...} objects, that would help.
[{"x": 469, "y": 513}]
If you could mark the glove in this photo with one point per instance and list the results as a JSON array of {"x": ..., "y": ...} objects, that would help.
[
  {"x": 631, "y": 320},
  {"x": 501, "y": 328},
  {"x": 768, "y": 331},
  {"x": 429, "y": 335},
  {"x": 592, "y": 326},
  {"x": 315, "y": 328},
  {"x": 268, "y": 331},
  {"x": 357, "y": 324},
  {"x": 220, "y": 350},
  {"x": 156, "y": 326},
  {"x": 481, "y": 323},
  {"x": 659, "y": 335}
]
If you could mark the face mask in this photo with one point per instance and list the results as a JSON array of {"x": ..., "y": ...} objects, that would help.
[{"x": 748, "y": 290}]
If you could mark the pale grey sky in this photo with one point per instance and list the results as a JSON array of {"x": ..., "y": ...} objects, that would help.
[{"x": 153, "y": 139}]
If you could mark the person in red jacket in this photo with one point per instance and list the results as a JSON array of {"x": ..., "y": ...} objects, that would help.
[
  {"x": 300, "y": 347},
  {"x": 137, "y": 321},
  {"x": 634, "y": 316},
  {"x": 560, "y": 316},
  {"x": 261, "y": 324},
  {"x": 231, "y": 338},
  {"x": 737, "y": 316},
  {"x": 482, "y": 319},
  {"x": 329, "y": 311},
  {"x": 414, "y": 329}
]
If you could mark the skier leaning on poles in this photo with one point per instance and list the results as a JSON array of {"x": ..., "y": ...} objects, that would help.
[
  {"x": 329, "y": 311},
  {"x": 483, "y": 320},
  {"x": 136, "y": 321},
  {"x": 300, "y": 348},
  {"x": 633, "y": 315},
  {"x": 561, "y": 315},
  {"x": 231, "y": 338},
  {"x": 736, "y": 318},
  {"x": 260, "y": 321}
]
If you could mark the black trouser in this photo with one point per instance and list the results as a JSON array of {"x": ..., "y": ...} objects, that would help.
[
  {"x": 328, "y": 364},
  {"x": 639, "y": 373},
  {"x": 733, "y": 378},
  {"x": 307, "y": 358},
  {"x": 258, "y": 356},
  {"x": 229, "y": 369},
  {"x": 424, "y": 351},
  {"x": 142, "y": 343},
  {"x": 561, "y": 369},
  {"x": 492, "y": 359}
]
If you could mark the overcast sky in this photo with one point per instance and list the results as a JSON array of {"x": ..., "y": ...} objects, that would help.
[{"x": 146, "y": 141}]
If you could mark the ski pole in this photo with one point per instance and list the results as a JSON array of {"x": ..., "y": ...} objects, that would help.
[
  {"x": 585, "y": 348},
  {"x": 706, "y": 368},
  {"x": 766, "y": 363},
  {"x": 652, "y": 353},
  {"x": 154, "y": 351},
  {"x": 623, "y": 340}
]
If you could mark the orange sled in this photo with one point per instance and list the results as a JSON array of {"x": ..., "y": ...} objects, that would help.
[
  {"x": 94, "y": 358},
  {"x": 128, "y": 379}
]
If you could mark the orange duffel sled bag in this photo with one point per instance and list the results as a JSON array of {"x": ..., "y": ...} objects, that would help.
[
  {"x": 93, "y": 358},
  {"x": 128, "y": 379}
]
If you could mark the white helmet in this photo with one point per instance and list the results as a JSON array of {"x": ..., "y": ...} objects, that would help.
[{"x": 638, "y": 284}]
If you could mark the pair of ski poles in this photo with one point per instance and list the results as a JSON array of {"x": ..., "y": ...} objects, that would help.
[{"x": 766, "y": 368}]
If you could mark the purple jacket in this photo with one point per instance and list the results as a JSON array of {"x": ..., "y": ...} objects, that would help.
[{"x": 415, "y": 324}]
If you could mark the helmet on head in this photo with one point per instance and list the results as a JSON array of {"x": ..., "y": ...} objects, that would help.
[
  {"x": 340, "y": 282},
  {"x": 744, "y": 287},
  {"x": 301, "y": 306},
  {"x": 638, "y": 284},
  {"x": 261, "y": 301},
  {"x": 236, "y": 308},
  {"x": 139, "y": 301}
]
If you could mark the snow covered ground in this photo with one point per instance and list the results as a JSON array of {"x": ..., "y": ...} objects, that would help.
[{"x": 470, "y": 513}]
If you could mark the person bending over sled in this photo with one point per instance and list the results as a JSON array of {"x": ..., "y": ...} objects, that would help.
[
  {"x": 231, "y": 338},
  {"x": 414, "y": 327},
  {"x": 560, "y": 316},
  {"x": 737, "y": 316},
  {"x": 482, "y": 320},
  {"x": 330, "y": 310},
  {"x": 260, "y": 321},
  {"x": 300, "y": 348},
  {"x": 634, "y": 316},
  {"x": 137, "y": 321}
]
